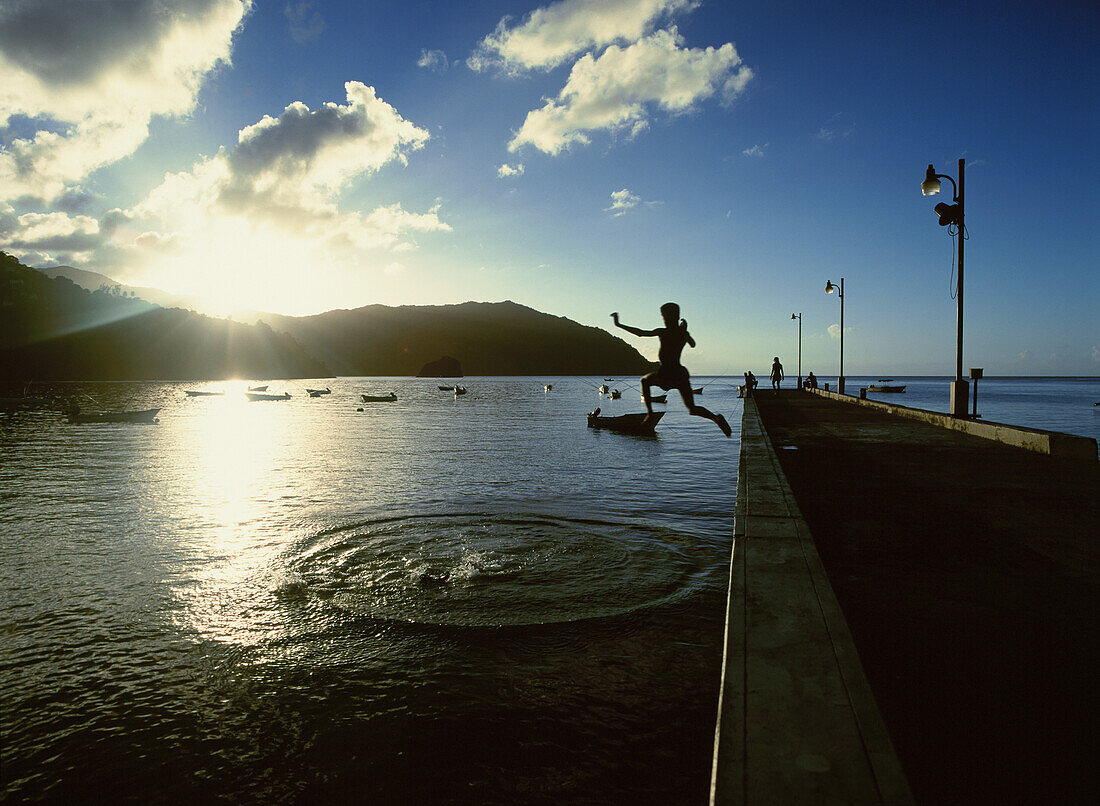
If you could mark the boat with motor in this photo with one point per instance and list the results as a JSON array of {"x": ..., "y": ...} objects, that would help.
[
  {"x": 616, "y": 394},
  {"x": 460, "y": 390},
  {"x": 257, "y": 388},
  {"x": 264, "y": 396},
  {"x": 392, "y": 396},
  {"x": 75, "y": 415},
  {"x": 885, "y": 385},
  {"x": 627, "y": 423},
  {"x": 319, "y": 392},
  {"x": 194, "y": 393}
]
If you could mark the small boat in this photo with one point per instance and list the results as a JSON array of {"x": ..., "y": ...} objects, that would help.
[
  {"x": 698, "y": 391},
  {"x": 628, "y": 423},
  {"x": 656, "y": 399},
  {"x": 548, "y": 387},
  {"x": 144, "y": 416},
  {"x": 193, "y": 393},
  {"x": 263, "y": 396},
  {"x": 884, "y": 385},
  {"x": 446, "y": 388},
  {"x": 319, "y": 392},
  {"x": 460, "y": 390},
  {"x": 616, "y": 394},
  {"x": 604, "y": 389},
  {"x": 257, "y": 389},
  {"x": 392, "y": 396},
  {"x": 609, "y": 379}
]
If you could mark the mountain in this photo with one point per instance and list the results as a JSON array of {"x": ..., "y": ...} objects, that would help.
[
  {"x": 487, "y": 338},
  {"x": 52, "y": 329}
]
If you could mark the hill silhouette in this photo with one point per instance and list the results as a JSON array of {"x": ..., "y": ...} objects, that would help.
[
  {"x": 52, "y": 329},
  {"x": 487, "y": 338}
]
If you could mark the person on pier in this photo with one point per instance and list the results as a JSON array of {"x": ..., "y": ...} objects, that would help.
[
  {"x": 671, "y": 374},
  {"x": 777, "y": 373}
]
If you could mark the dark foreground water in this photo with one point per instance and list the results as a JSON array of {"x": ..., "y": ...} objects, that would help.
[{"x": 438, "y": 600}]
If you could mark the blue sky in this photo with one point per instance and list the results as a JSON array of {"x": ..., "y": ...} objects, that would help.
[{"x": 579, "y": 157}]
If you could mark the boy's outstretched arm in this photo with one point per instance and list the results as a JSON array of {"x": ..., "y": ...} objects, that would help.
[
  {"x": 687, "y": 336},
  {"x": 636, "y": 331}
]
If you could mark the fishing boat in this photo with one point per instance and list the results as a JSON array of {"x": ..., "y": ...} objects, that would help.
[
  {"x": 460, "y": 390},
  {"x": 257, "y": 389},
  {"x": 616, "y": 394},
  {"x": 885, "y": 385},
  {"x": 627, "y": 423},
  {"x": 548, "y": 387},
  {"x": 144, "y": 416},
  {"x": 264, "y": 396},
  {"x": 656, "y": 399},
  {"x": 392, "y": 396},
  {"x": 193, "y": 393},
  {"x": 319, "y": 392},
  {"x": 604, "y": 389},
  {"x": 446, "y": 388}
]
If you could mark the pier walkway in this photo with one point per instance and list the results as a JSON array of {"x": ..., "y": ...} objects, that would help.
[{"x": 965, "y": 640}]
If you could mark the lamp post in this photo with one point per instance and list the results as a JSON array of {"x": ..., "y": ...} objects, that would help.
[
  {"x": 952, "y": 214},
  {"x": 830, "y": 287},
  {"x": 798, "y": 316}
]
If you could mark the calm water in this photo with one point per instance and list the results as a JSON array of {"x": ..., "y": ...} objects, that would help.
[{"x": 471, "y": 600}]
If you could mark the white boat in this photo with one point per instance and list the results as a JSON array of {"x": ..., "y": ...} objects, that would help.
[
  {"x": 264, "y": 396},
  {"x": 193, "y": 393},
  {"x": 605, "y": 389},
  {"x": 548, "y": 387},
  {"x": 257, "y": 388}
]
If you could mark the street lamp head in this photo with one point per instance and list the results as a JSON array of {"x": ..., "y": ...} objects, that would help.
[
  {"x": 931, "y": 185},
  {"x": 948, "y": 213},
  {"x": 829, "y": 287},
  {"x": 793, "y": 316}
]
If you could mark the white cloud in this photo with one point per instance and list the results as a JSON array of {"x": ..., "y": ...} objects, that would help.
[
  {"x": 614, "y": 91},
  {"x": 91, "y": 76},
  {"x": 304, "y": 20},
  {"x": 552, "y": 34},
  {"x": 835, "y": 129},
  {"x": 1096, "y": 354},
  {"x": 507, "y": 170},
  {"x": 623, "y": 201},
  {"x": 50, "y": 232},
  {"x": 755, "y": 151},
  {"x": 834, "y": 330},
  {"x": 434, "y": 60}
]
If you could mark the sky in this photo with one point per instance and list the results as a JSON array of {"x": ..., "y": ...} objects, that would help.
[{"x": 580, "y": 157}]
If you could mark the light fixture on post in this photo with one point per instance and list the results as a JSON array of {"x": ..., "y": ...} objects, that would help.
[
  {"x": 952, "y": 214},
  {"x": 830, "y": 287},
  {"x": 798, "y": 316}
]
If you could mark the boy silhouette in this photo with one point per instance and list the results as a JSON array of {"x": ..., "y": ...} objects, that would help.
[{"x": 671, "y": 374}]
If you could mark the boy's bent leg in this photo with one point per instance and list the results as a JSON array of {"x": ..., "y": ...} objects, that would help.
[
  {"x": 700, "y": 411},
  {"x": 647, "y": 398}
]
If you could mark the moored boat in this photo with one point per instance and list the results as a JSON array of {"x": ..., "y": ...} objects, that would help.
[
  {"x": 604, "y": 389},
  {"x": 257, "y": 388},
  {"x": 143, "y": 416},
  {"x": 628, "y": 423},
  {"x": 263, "y": 396},
  {"x": 392, "y": 396},
  {"x": 194, "y": 393},
  {"x": 884, "y": 385},
  {"x": 616, "y": 394},
  {"x": 460, "y": 390},
  {"x": 548, "y": 387},
  {"x": 319, "y": 392},
  {"x": 656, "y": 398}
]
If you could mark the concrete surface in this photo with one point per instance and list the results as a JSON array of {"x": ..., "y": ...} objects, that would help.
[
  {"x": 797, "y": 722},
  {"x": 966, "y": 571}
]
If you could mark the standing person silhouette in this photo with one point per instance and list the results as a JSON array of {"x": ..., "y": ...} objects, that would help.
[
  {"x": 777, "y": 373},
  {"x": 671, "y": 374}
]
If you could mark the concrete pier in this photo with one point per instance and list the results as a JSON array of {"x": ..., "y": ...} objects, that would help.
[{"x": 964, "y": 571}]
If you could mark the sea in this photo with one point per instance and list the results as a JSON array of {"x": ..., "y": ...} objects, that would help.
[{"x": 441, "y": 599}]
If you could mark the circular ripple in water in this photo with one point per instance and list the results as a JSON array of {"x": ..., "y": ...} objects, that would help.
[{"x": 486, "y": 570}]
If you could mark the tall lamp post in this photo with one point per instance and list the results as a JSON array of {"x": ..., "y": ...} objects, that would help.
[
  {"x": 798, "y": 316},
  {"x": 830, "y": 287},
  {"x": 952, "y": 214}
]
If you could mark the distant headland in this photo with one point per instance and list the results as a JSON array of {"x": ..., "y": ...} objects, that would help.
[{"x": 52, "y": 328}]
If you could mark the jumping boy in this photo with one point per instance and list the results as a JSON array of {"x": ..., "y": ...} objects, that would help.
[{"x": 671, "y": 374}]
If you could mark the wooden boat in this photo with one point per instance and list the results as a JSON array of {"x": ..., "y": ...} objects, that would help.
[
  {"x": 460, "y": 390},
  {"x": 627, "y": 423},
  {"x": 193, "y": 393},
  {"x": 548, "y": 387},
  {"x": 257, "y": 389},
  {"x": 604, "y": 389},
  {"x": 446, "y": 388},
  {"x": 319, "y": 392},
  {"x": 616, "y": 394},
  {"x": 656, "y": 398},
  {"x": 144, "y": 416},
  {"x": 263, "y": 396},
  {"x": 884, "y": 385},
  {"x": 392, "y": 396}
]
